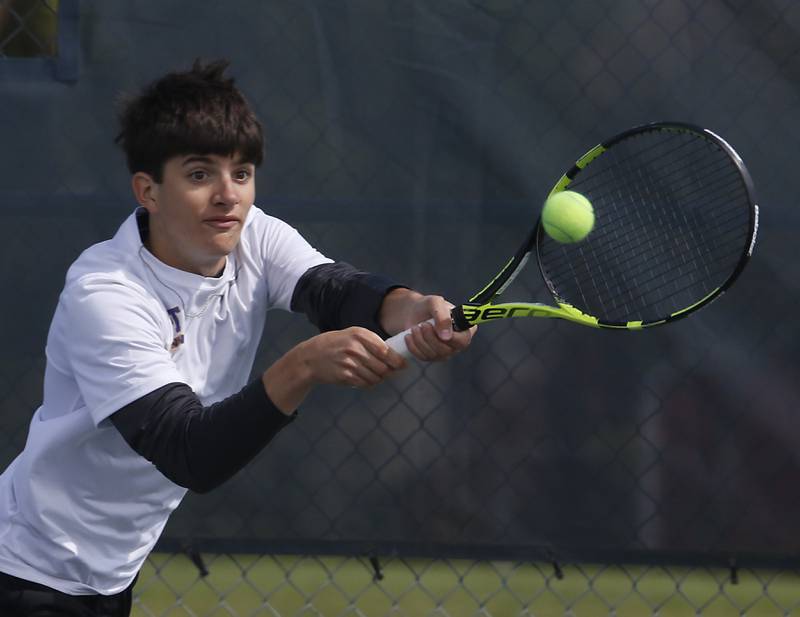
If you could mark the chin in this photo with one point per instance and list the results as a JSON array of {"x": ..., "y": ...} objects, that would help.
[{"x": 225, "y": 246}]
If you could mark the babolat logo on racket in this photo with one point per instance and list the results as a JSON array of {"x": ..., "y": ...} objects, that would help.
[{"x": 478, "y": 313}]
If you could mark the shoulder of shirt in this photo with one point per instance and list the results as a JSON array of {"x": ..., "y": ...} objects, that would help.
[
  {"x": 110, "y": 265},
  {"x": 263, "y": 232},
  {"x": 259, "y": 222}
]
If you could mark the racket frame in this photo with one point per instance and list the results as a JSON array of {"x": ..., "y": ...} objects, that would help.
[{"x": 482, "y": 307}]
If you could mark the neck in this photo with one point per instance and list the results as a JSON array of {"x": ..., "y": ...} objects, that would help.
[{"x": 161, "y": 250}]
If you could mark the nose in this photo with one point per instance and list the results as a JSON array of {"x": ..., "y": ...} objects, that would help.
[{"x": 227, "y": 194}]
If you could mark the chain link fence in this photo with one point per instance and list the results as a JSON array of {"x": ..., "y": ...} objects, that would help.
[
  {"x": 550, "y": 470},
  {"x": 28, "y": 28}
]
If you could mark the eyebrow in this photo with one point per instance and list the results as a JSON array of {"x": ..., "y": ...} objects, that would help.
[
  {"x": 197, "y": 159},
  {"x": 208, "y": 161}
]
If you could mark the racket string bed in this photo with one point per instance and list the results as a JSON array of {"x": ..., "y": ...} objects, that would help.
[{"x": 670, "y": 228}]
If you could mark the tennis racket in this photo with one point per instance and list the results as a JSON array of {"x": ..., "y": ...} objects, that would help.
[{"x": 675, "y": 224}]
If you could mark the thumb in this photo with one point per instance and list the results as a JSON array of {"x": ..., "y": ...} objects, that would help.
[{"x": 443, "y": 322}]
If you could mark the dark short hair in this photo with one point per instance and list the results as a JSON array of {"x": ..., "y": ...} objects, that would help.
[{"x": 199, "y": 111}]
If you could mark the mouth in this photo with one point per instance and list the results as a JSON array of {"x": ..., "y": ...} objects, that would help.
[{"x": 222, "y": 222}]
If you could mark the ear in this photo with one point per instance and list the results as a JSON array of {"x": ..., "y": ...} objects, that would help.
[{"x": 145, "y": 190}]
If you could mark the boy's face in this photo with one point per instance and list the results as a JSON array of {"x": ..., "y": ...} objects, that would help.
[{"x": 198, "y": 209}]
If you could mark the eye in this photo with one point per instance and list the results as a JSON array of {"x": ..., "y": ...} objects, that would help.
[
  {"x": 242, "y": 175},
  {"x": 198, "y": 175}
]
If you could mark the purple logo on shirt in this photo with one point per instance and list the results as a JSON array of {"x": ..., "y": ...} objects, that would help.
[{"x": 174, "y": 314}]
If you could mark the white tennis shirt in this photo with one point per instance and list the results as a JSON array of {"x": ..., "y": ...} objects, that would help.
[{"x": 79, "y": 509}]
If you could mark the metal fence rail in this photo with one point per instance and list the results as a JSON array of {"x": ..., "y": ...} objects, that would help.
[
  {"x": 307, "y": 585},
  {"x": 550, "y": 470}
]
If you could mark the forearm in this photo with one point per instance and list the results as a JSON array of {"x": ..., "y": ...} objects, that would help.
[
  {"x": 335, "y": 296},
  {"x": 289, "y": 380},
  {"x": 196, "y": 446}
]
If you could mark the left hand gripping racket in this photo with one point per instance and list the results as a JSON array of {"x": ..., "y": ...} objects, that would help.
[{"x": 675, "y": 223}]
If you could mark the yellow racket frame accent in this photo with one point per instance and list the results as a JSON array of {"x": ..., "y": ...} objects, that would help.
[
  {"x": 481, "y": 313},
  {"x": 582, "y": 162}
]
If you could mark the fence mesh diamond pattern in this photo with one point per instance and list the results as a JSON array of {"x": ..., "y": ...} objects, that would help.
[{"x": 550, "y": 470}]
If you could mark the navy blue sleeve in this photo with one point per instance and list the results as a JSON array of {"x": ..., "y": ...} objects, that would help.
[
  {"x": 336, "y": 295},
  {"x": 200, "y": 447}
]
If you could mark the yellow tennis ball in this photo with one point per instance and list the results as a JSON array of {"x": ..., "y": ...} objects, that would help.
[{"x": 567, "y": 216}]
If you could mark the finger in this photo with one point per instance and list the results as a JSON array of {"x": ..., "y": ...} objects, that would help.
[
  {"x": 358, "y": 372},
  {"x": 394, "y": 359},
  {"x": 435, "y": 343},
  {"x": 414, "y": 348},
  {"x": 441, "y": 311},
  {"x": 371, "y": 369},
  {"x": 353, "y": 380},
  {"x": 370, "y": 357},
  {"x": 363, "y": 377},
  {"x": 427, "y": 345},
  {"x": 377, "y": 348},
  {"x": 462, "y": 340}
]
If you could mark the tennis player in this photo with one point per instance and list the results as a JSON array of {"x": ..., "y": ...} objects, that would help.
[{"x": 152, "y": 342}]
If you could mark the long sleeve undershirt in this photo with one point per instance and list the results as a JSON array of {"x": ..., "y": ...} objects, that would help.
[{"x": 200, "y": 447}]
